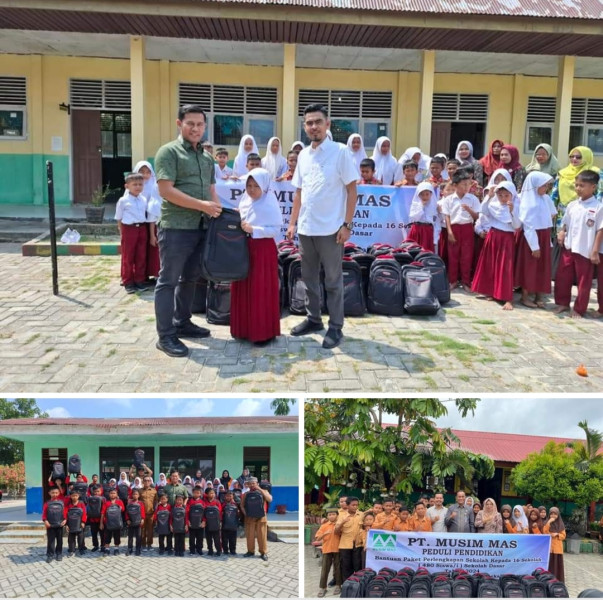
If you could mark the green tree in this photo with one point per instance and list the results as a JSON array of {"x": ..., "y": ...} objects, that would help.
[
  {"x": 390, "y": 444},
  {"x": 282, "y": 406},
  {"x": 586, "y": 454},
  {"x": 11, "y": 451}
]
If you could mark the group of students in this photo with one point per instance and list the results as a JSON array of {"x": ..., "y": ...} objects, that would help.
[
  {"x": 170, "y": 507},
  {"x": 344, "y": 531}
]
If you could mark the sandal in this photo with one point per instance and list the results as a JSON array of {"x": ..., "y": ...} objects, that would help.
[{"x": 321, "y": 594}]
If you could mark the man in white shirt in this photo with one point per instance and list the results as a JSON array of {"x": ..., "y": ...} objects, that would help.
[
  {"x": 324, "y": 202},
  {"x": 437, "y": 513}
]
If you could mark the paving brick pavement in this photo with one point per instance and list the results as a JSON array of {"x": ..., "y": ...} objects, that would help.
[
  {"x": 582, "y": 571},
  {"x": 25, "y": 573},
  {"x": 95, "y": 338}
]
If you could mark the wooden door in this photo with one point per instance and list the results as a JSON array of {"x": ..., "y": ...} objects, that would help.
[
  {"x": 87, "y": 147},
  {"x": 440, "y": 137}
]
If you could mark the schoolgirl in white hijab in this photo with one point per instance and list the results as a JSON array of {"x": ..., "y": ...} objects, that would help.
[
  {"x": 360, "y": 154},
  {"x": 520, "y": 519},
  {"x": 274, "y": 162},
  {"x": 263, "y": 215},
  {"x": 247, "y": 145},
  {"x": 137, "y": 485},
  {"x": 123, "y": 478},
  {"x": 162, "y": 481},
  {"x": 422, "y": 162},
  {"x": 297, "y": 146},
  {"x": 387, "y": 170},
  {"x": 536, "y": 210},
  {"x": 421, "y": 214},
  {"x": 150, "y": 189}
]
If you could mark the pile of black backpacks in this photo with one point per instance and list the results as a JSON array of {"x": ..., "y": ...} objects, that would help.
[{"x": 408, "y": 583}]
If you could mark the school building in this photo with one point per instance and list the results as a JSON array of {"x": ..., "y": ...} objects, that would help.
[
  {"x": 95, "y": 86},
  {"x": 267, "y": 446}
]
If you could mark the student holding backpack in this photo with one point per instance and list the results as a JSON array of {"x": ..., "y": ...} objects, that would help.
[
  {"x": 75, "y": 515},
  {"x": 194, "y": 521},
  {"x": 230, "y": 523},
  {"x": 94, "y": 512},
  {"x": 162, "y": 518},
  {"x": 54, "y": 520},
  {"x": 112, "y": 522},
  {"x": 134, "y": 517},
  {"x": 211, "y": 522}
]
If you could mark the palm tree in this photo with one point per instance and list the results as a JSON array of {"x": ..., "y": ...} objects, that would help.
[{"x": 281, "y": 407}]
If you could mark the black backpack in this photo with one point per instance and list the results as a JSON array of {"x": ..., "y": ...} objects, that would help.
[
  {"x": 364, "y": 261},
  {"x": 58, "y": 471},
  {"x": 74, "y": 518},
  {"x": 489, "y": 588},
  {"x": 408, "y": 570},
  {"x": 123, "y": 492},
  {"x": 106, "y": 489},
  {"x": 54, "y": 512},
  {"x": 134, "y": 514},
  {"x": 533, "y": 587},
  {"x": 218, "y": 303},
  {"x": 441, "y": 587},
  {"x": 556, "y": 589},
  {"x": 351, "y": 588},
  {"x": 199, "y": 297},
  {"x": 513, "y": 589},
  {"x": 139, "y": 458},
  {"x": 387, "y": 572},
  {"x": 163, "y": 522},
  {"x": 212, "y": 518},
  {"x": 178, "y": 519},
  {"x": 354, "y": 303},
  {"x": 113, "y": 516},
  {"x": 419, "y": 298},
  {"x": 402, "y": 256},
  {"x": 230, "y": 517},
  {"x": 439, "y": 277},
  {"x": 225, "y": 253},
  {"x": 419, "y": 589},
  {"x": 95, "y": 506},
  {"x": 75, "y": 464},
  {"x": 81, "y": 487},
  {"x": 195, "y": 515},
  {"x": 385, "y": 292},
  {"x": 396, "y": 588},
  {"x": 462, "y": 587},
  {"x": 376, "y": 587},
  {"x": 254, "y": 505},
  {"x": 296, "y": 288}
]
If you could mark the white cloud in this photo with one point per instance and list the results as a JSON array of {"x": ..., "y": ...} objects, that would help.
[
  {"x": 123, "y": 402},
  {"x": 58, "y": 412},
  {"x": 195, "y": 408},
  {"x": 172, "y": 406},
  {"x": 247, "y": 408}
]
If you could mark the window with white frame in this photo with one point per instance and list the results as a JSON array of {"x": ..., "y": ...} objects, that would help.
[
  {"x": 539, "y": 122},
  {"x": 368, "y": 113},
  {"x": 233, "y": 111},
  {"x": 13, "y": 108}
]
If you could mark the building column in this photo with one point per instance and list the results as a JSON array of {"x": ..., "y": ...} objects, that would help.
[
  {"x": 563, "y": 113},
  {"x": 426, "y": 99},
  {"x": 289, "y": 102},
  {"x": 36, "y": 130},
  {"x": 137, "y": 60},
  {"x": 167, "y": 120},
  {"x": 397, "y": 140},
  {"x": 518, "y": 112}
]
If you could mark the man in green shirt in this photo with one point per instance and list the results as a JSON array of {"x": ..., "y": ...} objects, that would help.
[
  {"x": 173, "y": 489},
  {"x": 186, "y": 181}
]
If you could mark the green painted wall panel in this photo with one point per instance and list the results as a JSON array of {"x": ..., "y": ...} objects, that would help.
[{"x": 22, "y": 187}]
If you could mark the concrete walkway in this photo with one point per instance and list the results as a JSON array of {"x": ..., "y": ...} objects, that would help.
[{"x": 95, "y": 338}]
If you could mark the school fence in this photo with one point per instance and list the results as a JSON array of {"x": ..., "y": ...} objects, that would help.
[
  {"x": 381, "y": 210},
  {"x": 495, "y": 554}
]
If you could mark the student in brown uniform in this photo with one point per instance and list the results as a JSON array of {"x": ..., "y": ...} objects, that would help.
[
  {"x": 347, "y": 527},
  {"x": 556, "y": 529},
  {"x": 330, "y": 552},
  {"x": 404, "y": 523},
  {"x": 368, "y": 521},
  {"x": 388, "y": 519},
  {"x": 420, "y": 521}
]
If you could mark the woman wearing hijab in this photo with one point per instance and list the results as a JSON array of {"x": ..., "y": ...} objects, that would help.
[
  {"x": 509, "y": 159},
  {"x": 489, "y": 520},
  {"x": 387, "y": 169},
  {"x": 464, "y": 153},
  {"x": 491, "y": 161},
  {"x": 469, "y": 502},
  {"x": 255, "y": 303},
  {"x": 422, "y": 160},
  {"x": 274, "y": 162},
  {"x": 226, "y": 479},
  {"x": 247, "y": 145},
  {"x": 507, "y": 518},
  {"x": 423, "y": 217},
  {"x": 497, "y": 177},
  {"x": 356, "y": 147},
  {"x": 297, "y": 146},
  {"x": 556, "y": 529},
  {"x": 161, "y": 483},
  {"x": 534, "y": 521},
  {"x": 137, "y": 485},
  {"x": 544, "y": 160},
  {"x": 520, "y": 521},
  {"x": 533, "y": 252}
]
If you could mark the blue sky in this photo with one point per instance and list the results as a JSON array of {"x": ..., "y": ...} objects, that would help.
[{"x": 157, "y": 407}]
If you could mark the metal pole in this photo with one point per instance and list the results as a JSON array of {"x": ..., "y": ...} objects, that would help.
[{"x": 53, "y": 228}]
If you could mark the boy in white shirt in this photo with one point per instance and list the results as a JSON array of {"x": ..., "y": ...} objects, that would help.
[
  {"x": 580, "y": 227},
  {"x": 131, "y": 216},
  {"x": 460, "y": 210},
  {"x": 223, "y": 171}
]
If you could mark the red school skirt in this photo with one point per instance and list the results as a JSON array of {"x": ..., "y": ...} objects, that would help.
[
  {"x": 494, "y": 271},
  {"x": 532, "y": 273},
  {"x": 422, "y": 233},
  {"x": 152, "y": 254},
  {"x": 255, "y": 312}
]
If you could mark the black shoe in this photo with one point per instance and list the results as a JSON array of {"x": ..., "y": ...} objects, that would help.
[
  {"x": 130, "y": 288},
  {"x": 49, "y": 558},
  {"x": 233, "y": 553},
  {"x": 332, "y": 339},
  {"x": 128, "y": 552},
  {"x": 138, "y": 552},
  {"x": 331, "y": 583},
  {"x": 264, "y": 557},
  {"x": 82, "y": 551},
  {"x": 59, "y": 557},
  {"x": 116, "y": 552},
  {"x": 71, "y": 553},
  {"x": 170, "y": 553},
  {"x": 95, "y": 549},
  {"x": 161, "y": 552},
  {"x": 141, "y": 286},
  {"x": 306, "y": 327},
  {"x": 172, "y": 346},
  {"x": 218, "y": 554},
  {"x": 210, "y": 553},
  {"x": 192, "y": 552},
  {"x": 248, "y": 554},
  {"x": 200, "y": 552},
  {"x": 190, "y": 330}
]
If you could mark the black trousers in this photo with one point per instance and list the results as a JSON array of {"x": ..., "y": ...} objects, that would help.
[
  {"x": 195, "y": 540},
  {"x": 134, "y": 533},
  {"x": 179, "y": 542},
  {"x": 213, "y": 536},
  {"x": 96, "y": 532},
  {"x": 162, "y": 541},
  {"x": 350, "y": 560},
  {"x": 72, "y": 537},
  {"x": 54, "y": 543},
  {"x": 229, "y": 541},
  {"x": 112, "y": 534}
]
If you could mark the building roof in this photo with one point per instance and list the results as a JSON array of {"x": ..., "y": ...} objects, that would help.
[{"x": 148, "y": 422}]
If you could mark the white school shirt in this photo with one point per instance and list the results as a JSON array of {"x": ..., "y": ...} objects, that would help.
[
  {"x": 439, "y": 525},
  {"x": 221, "y": 173},
  {"x": 451, "y": 206},
  {"x": 153, "y": 209},
  {"x": 503, "y": 219},
  {"x": 582, "y": 220},
  {"x": 323, "y": 173},
  {"x": 131, "y": 209},
  {"x": 483, "y": 224}
]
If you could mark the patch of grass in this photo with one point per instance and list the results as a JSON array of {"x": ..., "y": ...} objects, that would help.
[
  {"x": 325, "y": 389},
  {"x": 97, "y": 282},
  {"x": 80, "y": 335},
  {"x": 32, "y": 338},
  {"x": 240, "y": 381},
  {"x": 446, "y": 346},
  {"x": 81, "y": 365},
  {"x": 485, "y": 338},
  {"x": 150, "y": 319},
  {"x": 509, "y": 344},
  {"x": 6, "y": 335},
  {"x": 102, "y": 330},
  {"x": 255, "y": 390},
  {"x": 125, "y": 320},
  {"x": 455, "y": 312},
  {"x": 464, "y": 378},
  {"x": 484, "y": 322},
  {"x": 47, "y": 350},
  {"x": 111, "y": 352},
  {"x": 421, "y": 364},
  {"x": 431, "y": 384}
]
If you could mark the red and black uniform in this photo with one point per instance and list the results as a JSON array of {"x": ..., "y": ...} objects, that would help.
[
  {"x": 77, "y": 535},
  {"x": 371, "y": 181},
  {"x": 229, "y": 535},
  {"x": 134, "y": 531},
  {"x": 111, "y": 534},
  {"x": 195, "y": 534},
  {"x": 212, "y": 536},
  {"x": 93, "y": 485},
  {"x": 68, "y": 479},
  {"x": 54, "y": 534},
  {"x": 95, "y": 529},
  {"x": 163, "y": 536}
]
